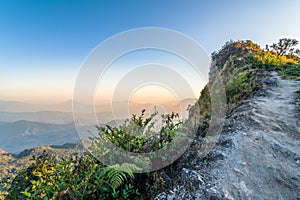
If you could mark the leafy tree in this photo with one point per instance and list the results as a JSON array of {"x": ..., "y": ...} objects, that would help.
[
  {"x": 297, "y": 52},
  {"x": 286, "y": 47}
]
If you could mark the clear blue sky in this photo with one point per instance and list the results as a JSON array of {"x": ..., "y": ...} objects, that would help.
[{"x": 43, "y": 43}]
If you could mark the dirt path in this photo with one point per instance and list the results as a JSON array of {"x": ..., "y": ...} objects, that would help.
[
  {"x": 258, "y": 153},
  {"x": 264, "y": 159}
]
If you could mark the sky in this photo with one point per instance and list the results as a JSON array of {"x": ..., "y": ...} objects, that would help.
[{"x": 44, "y": 43}]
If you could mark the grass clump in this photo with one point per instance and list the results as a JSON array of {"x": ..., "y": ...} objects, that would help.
[{"x": 242, "y": 85}]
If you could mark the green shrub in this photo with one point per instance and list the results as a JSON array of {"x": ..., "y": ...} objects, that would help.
[
  {"x": 81, "y": 178},
  {"x": 290, "y": 71},
  {"x": 287, "y": 66},
  {"x": 84, "y": 177},
  {"x": 270, "y": 59},
  {"x": 138, "y": 134},
  {"x": 240, "y": 86}
]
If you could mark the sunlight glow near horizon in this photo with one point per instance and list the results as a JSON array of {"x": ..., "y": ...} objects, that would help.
[
  {"x": 153, "y": 94},
  {"x": 43, "y": 44},
  {"x": 128, "y": 64}
]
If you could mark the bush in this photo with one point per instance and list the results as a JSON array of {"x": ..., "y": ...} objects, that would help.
[
  {"x": 138, "y": 134},
  {"x": 271, "y": 60},
  {"x": 241, "y": 86},
  {"x": 290, "y": 71},
  {"x": 84, "y": 177},
  {"x": 81, "y": 178}
]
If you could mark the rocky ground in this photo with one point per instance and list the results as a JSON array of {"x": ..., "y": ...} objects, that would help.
[{"x": 257, "y": 156}]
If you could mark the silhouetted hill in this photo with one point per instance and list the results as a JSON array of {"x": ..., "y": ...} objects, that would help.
[
  {"x": 55, "y": 117},
  {"x": 19, "y": 135}
]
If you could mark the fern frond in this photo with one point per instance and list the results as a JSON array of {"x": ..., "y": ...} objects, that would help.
[{"x": 118, "y": 174}]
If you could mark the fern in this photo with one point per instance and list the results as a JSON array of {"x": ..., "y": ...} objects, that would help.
[{"x": 118, "y": 174}]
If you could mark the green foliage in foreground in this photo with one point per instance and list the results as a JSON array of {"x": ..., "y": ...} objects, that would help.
[
  {"x": 139, "y": 135},
  {"x": 84, "y": 177},
  {"x": 81, "y": 178}
]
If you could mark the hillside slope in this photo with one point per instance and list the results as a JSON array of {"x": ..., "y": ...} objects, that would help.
[
  {"x": 258, "y": 152},
  {"x": 11, "y": 163},
  {"x": 20, "y": 135}
]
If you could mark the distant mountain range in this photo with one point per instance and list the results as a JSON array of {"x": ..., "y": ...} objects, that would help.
[
  {"x": 20, "y": 135},
  {"x": 61, "y": 113},
  {"x": 15, "y": 106},
  {"x": 21, "y": 107},
  {"x": 24, "y": 125},
  {"x": 53, "y": 117}
]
